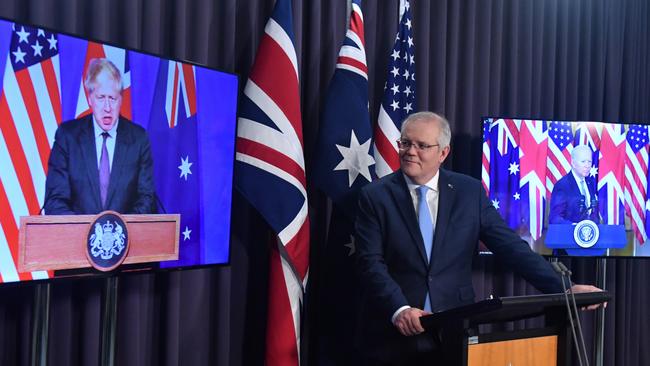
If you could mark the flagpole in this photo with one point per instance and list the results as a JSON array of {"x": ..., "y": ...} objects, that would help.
[
  {"x": 40, "y": 324},
  {"x": 108, "y": 321},
  {"x": 601, "y": 273}
]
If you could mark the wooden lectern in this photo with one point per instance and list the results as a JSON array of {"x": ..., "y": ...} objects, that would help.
[
  {"x": 463, "y": 345},
  {"x": 59, "y": 241}
]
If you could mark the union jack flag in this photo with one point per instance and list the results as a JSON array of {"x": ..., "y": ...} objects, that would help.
[
  {"x": 30, "y": 112},
  {"x": 533, "y": 140},
  {"x": 636, "y": 178},
  {"x": 120, "y": 58},
  {"x": 611, "y": 174},
  {"x": 269, "y": 158},
  {"x": 399, "y": 96},
  {"x": 560, "y": 144}
]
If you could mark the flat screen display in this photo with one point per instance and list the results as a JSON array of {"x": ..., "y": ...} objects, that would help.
[
  {"x": 188, "y": 112},
  {"x": 570, "y": 187}
]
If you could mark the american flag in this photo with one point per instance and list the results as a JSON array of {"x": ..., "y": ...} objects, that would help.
[
  {"x": 269, "y": 158},
  {"x": 120, "y": 58},
  {"x": 343, "y": 165},
  {"x": 30, "y": 112},
  {"x": 611, "y": 174},
  {"x": 560, "y": 144},
  {"x": 485, "y": 160},
  {"x": 636, "y": 178},
  {"x": 399, "y": 96}
]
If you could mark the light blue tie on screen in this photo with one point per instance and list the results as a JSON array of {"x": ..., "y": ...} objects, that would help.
[
  {"x": 426, "y": 229},
  {"x": 583, "y": 190}
]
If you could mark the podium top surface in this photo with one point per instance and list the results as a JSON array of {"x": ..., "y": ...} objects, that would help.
[{"x": 510, "y": 308}]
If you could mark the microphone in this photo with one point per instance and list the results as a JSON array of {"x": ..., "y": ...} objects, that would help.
[
  {"x": 162, "y": 207},
  {"x": 566, "y": 273}
]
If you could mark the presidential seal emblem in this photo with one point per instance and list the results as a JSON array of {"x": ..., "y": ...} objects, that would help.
[
  {"x": 586, "y": 233},
  {"x": 107, "y": 242}
]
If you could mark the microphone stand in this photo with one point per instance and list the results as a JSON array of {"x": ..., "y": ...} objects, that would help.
[
  {"x": 559, "y": 270},
  {"x": 568, "y": 273}
]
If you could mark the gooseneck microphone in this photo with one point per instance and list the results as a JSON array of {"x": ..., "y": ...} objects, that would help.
[
  {"x": 559, "y": 270},
  {"x": 578, "y": 339}
]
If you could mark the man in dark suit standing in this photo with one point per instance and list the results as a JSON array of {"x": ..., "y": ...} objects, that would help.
[
  {"x": 417, "y": 231},
  {"x": 574, "y": 196},
  {"x": 101, "y": 161}
]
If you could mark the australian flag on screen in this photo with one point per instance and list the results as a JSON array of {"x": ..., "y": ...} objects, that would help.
[
  {"x": 505, "y": 192},
  {"x": 192, "y": 146}
]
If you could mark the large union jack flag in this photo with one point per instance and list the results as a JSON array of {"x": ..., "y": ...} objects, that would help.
[
  {"x": 399, "y": 96},
  {"x": 270, "y": 173}
]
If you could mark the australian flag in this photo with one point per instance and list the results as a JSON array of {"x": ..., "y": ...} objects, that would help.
[
  {"x": 190, "y": 160},
  {"x": 344, "y": 164},
  {"x": 505, "y": 169}
]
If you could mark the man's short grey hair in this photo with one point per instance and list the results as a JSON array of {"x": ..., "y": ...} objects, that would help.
[
  {"x": 580, "y": 149},
  {"x": 444, "y": 139},
  {"x": 95, "y": 67}
]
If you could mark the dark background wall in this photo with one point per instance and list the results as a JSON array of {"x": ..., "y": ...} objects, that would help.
[{"x": 565, "y": 60}]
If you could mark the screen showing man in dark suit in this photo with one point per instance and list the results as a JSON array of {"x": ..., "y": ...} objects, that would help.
[
  {"x": 417, "y": 231},
  {"x": 101, "y": 161},
  {"x": 574, "y": 196}
]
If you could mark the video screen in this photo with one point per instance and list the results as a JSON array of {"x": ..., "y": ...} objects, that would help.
[
  {"x": 187, "y": 111},
  {"x": 570, "y": 187}
]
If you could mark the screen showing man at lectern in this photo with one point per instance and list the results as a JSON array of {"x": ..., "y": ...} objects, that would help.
[
  {"x": 187, "y": 111},
  {"x": 547, "y": 177}
]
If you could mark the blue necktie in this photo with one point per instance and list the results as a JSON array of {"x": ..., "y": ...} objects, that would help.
[
  {"x": 104, "y": 171},
  {"x": 583, "y": 191},
  {"x": 426, "y": 229}
]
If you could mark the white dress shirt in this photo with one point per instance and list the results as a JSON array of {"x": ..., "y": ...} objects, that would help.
[{"x": 110, "y": 142}]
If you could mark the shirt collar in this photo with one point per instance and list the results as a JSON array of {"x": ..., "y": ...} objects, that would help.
[
  {"x": 432, "y": 184},
  {"x": 578, "y": 178},
  {"x": 98, "y": 130}
]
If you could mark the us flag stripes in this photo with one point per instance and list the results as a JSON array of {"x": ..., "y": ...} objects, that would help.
[
  {"x": 399, "y": 96},
  {"x": 30, "y": 112},
  {"x": 270, "y": 173}
]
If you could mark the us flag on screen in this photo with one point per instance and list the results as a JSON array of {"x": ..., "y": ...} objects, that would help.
[
  {"x": 270, "y": 173},
  {"x": 485, "y": 160},
  {"x": 30, "y": 112},
  {"x": 399, "y": 96},
  {"x": 560, "y": 145},
  {"x": 636, "y": 178}
]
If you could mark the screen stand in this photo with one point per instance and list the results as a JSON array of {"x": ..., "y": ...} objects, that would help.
[
  {"x": 40, "y": 324},
  {"x": 109, "y": 321},
  {"x": 601, "y": 277}
]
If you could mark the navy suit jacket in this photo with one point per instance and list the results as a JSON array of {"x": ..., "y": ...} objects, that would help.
[
  {"x": 394, "y": 270},
  {"x": 72, "y": 185},
  {"x": 567, "y": 203}
]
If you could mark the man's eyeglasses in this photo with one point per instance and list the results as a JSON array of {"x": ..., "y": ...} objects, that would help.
[{"x": 406, "y": 144}]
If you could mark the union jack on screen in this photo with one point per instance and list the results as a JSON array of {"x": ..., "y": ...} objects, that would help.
[
  {"x": 270, "y": 173},
  {"x": 399, "y": 96}
]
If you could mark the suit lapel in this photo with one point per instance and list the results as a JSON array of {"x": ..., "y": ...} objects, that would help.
[
  {"x": 404, "y": 202},
  {"x": 122, "y": 143},
  {"x": 446, "y": 195},
  {"x": 86, "y": 139}
]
